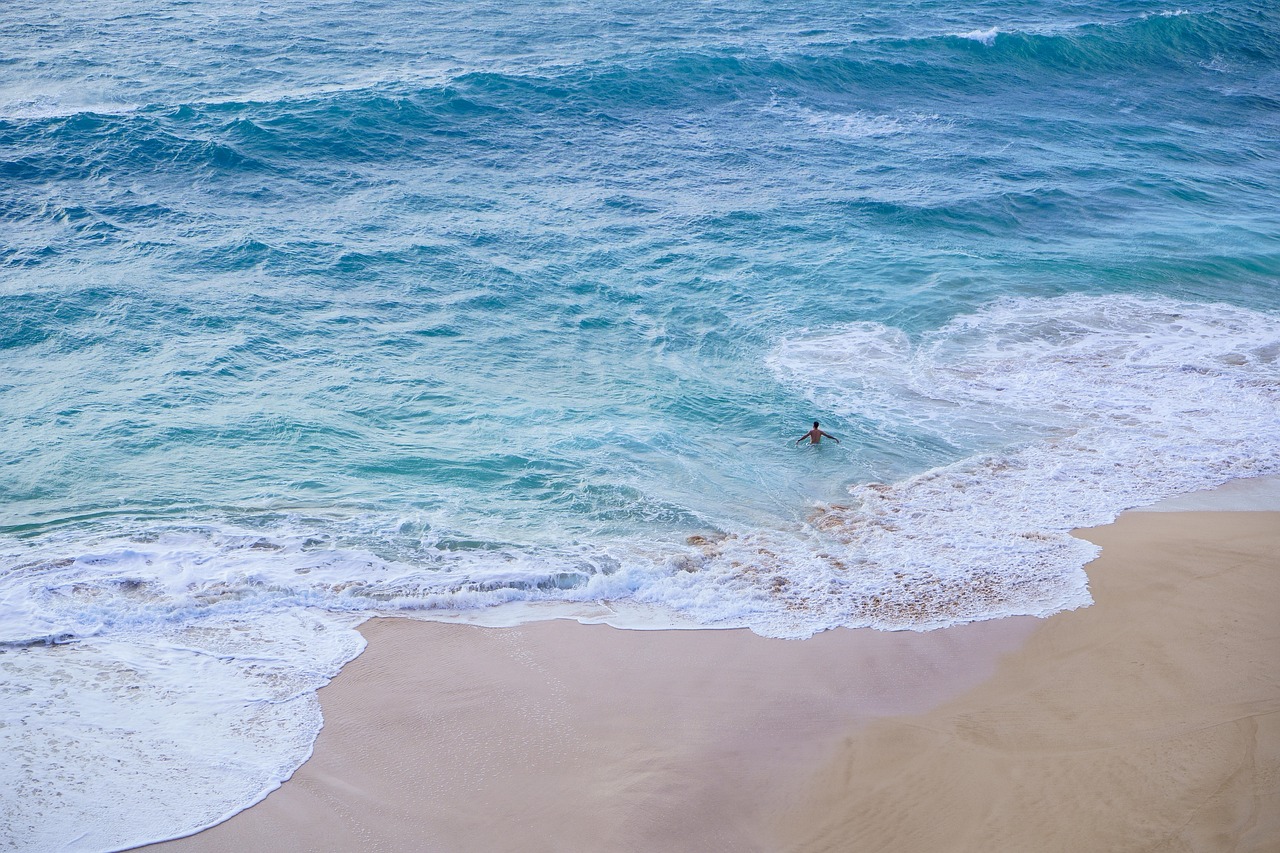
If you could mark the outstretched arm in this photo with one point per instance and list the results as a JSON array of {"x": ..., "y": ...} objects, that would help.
[{"x": 830, "y": 436}]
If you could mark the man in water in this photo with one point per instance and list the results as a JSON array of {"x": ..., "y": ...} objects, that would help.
[{"x": 815, "y": 435}]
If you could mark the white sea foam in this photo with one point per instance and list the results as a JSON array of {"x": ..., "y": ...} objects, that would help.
[
  {"x": 119, "y": 740},
  {"x": 1085, "y": 407},
  {"x": 987, "y": 36},
  {"x": 1081, "y": 407},
  {"x": 22, "y": 106},
  {"x": 855, "y": 125},
  {"x": 1052, "y": 29},
  {"x": 55, "y": 591},
  {"x": 1133, "y": 400},
  {"x": 860, "y": 124},
  {"x": 61, "y": 101},
  {"x": 1217, "y": 64},
  {"x": 153, "y": 686}
]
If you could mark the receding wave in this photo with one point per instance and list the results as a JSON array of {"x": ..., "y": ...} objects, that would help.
[
  {"x": 1116, "y": 402},
  {"x": 1106, "y": 403}
]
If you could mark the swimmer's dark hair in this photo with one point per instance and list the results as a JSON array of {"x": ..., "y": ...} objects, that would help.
[{"x": 815, "y": 424}]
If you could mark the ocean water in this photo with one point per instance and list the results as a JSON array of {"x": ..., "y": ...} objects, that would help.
[{"x": 316, "y": 311}]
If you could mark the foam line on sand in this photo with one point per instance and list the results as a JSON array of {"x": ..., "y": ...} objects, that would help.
[{"x": 1150, "y": 720}]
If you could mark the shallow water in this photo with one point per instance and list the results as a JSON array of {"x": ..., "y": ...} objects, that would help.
[{"x": 313, "y": 311}]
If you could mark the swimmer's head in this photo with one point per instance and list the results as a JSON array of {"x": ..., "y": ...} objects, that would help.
[{"x": 815, "y": 424}]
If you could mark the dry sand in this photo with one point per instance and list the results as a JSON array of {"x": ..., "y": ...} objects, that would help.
[{"x": 1149, "y": 721}]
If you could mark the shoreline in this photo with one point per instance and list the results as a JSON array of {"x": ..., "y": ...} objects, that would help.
[
  {"x": 556, "y": 735},
  {"x": 574, "y": 713}
]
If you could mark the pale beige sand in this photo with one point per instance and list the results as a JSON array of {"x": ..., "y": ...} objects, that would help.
[
  {"x": 1150, "y": 721},
  {"x": 560, "y": 736}
]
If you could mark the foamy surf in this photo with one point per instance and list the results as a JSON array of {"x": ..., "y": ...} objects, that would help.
[
  {"x": 128, "y": 738},
  {"x": 1117, "y": 401},
  {"x": 1060, "y": 413},
  {"x": 195, "y": 652},
  {"x": 987, "y": 36}
]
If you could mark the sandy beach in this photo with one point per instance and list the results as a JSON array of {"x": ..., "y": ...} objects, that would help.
[{"x": 1149, "y": 721}]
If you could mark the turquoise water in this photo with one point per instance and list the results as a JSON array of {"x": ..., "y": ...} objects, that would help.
[{"x": 313, "y": 311}]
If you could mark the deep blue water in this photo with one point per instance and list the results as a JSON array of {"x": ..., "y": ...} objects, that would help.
[{"x": 312, "y": 309}]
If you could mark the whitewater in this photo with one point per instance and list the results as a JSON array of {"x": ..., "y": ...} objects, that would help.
[{"x": 316, "y": 313}]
